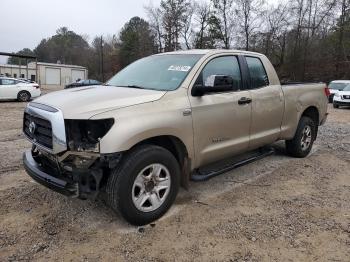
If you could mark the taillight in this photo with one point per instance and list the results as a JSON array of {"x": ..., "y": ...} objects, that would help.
[
  {"x": 36, "y": 86},
  {"x": 326, "y": 91}
]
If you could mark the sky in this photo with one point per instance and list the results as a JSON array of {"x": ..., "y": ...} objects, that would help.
[
  {"x": 29, "y": 21},
  {"x": 24, "y": 23}
]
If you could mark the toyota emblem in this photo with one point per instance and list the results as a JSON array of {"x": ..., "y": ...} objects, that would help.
[{"x": 32, "y": 127}]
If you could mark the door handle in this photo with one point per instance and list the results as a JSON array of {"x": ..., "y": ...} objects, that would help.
[{"x": 244, "y": 100}]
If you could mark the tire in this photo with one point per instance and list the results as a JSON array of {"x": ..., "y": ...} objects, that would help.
[
  {"x": 23, "y": 96},
  {"x": 335, "y": 106},
  {"x": 127, "y": 187},
  {"x": 301, "y": 144}
]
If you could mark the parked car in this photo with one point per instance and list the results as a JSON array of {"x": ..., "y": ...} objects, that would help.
[
  {"x": 87, "y": 82},
  {"x": 342, "y": 97},
  {"x": 335, "y": 86},
  {"x": 163, "y": 120},
  {"x": 12, "y": 88}
]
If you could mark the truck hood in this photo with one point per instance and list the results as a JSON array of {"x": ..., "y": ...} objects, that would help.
[{"x": 85, "y": 102}]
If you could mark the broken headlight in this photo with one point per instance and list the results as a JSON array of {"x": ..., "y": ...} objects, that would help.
[{"x": 85, "y": 135}]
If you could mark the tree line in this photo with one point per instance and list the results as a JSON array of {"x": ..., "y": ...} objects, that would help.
[{"x": 306, "y": 40}]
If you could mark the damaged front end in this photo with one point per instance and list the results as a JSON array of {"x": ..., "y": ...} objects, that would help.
[
  {"x": 78, "y": 169},
  {"x": 78, "y": 174}
]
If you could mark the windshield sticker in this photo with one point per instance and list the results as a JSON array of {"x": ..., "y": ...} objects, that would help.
[{"x": 180, "y": 68}]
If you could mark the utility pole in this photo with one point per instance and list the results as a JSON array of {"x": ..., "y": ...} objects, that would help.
[{"x": 102, "y": 69}]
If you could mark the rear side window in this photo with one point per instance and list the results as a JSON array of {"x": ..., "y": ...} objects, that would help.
[
  {"x": 225, "y": 65},
  {"x": 258, "y": 76}
]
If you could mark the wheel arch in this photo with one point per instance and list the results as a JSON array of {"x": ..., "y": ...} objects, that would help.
[
  {"x": 177, "y": 148},
  {"x": 313, "y": 113}
]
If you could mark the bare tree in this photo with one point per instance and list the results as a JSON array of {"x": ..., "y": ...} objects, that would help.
[
  {"x": 187, "y": 30},
  {"x": 248, "y": 12},
  {"x": 202, "y": 19},
  {"x": 224, "y": 12},
  {"x": 344, "y": 17},
  {"x": 173, "y": 19},
  {"x": 155, "y": 20},
  {"x": 277, "y": 25}
]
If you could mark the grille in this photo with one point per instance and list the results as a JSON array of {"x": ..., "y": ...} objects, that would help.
[
  {"x": 37, "y": 129},
  {"x": 346, "y": 97}
]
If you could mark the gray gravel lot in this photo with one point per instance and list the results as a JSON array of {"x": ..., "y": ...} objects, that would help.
[{"x": 276, "y": 209}]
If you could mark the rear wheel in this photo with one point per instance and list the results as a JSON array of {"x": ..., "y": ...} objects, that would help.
[
  {"x": 23, "y": 96},
  {"x": 301, "y": 144},
  {"x": 145, "y": 185}
]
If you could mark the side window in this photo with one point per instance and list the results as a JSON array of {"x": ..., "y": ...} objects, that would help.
[
  {"x": 8, "y": 82},
  {"x": 224, "y": 65},
  {"x": 258, "y": 76}
]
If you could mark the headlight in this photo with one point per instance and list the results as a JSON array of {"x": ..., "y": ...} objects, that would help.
[
  {"x": 85, "y": 135},
  {"x": 336, "y": 95}
]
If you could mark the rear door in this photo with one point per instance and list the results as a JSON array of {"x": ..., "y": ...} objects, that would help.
[
  {"x": 220, "y": 122},
  {"x": 267, "y": 104}
]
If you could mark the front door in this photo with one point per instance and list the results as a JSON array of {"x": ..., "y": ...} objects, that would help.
[{"x": 221, "y": 123}]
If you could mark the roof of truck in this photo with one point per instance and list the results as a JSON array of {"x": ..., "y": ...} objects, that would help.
[{"x": 207, "y": 51}]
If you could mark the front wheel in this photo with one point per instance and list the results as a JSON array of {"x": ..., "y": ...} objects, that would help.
[
  {"x": 301, "y": 144},
  {"x": 335, "y": 106},
  {"x": 145, "y": 185}
]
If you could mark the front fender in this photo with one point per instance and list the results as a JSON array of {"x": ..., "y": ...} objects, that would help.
[{"x": 138, "y": 123}]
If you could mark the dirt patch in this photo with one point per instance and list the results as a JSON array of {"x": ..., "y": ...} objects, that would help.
[{"x": 276, "y": 209}]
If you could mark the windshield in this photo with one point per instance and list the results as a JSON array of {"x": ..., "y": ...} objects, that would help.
[
  {"x": 337, "y": 86},
  {"x": 347, "y": 87},
  {"x": 160, "y": 72}
]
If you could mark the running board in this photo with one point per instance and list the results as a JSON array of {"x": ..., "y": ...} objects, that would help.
[{"x": 212, "y": 170}]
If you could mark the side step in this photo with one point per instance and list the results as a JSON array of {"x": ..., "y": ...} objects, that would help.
[{"x": 218, "y": 168}]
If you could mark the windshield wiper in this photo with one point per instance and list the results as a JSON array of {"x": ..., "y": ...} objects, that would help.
[{"x": 134, "y": 86}]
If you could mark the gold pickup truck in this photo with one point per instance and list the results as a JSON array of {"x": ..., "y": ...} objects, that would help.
[{"x": 164, "y": 120}]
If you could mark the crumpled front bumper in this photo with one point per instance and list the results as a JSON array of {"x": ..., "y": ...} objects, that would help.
[{"x": 42, "y": 176}]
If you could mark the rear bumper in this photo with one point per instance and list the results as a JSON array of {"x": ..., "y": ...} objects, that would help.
[
  {"x": 43, "y": 177},
  {"x": 35, "y": 93}
]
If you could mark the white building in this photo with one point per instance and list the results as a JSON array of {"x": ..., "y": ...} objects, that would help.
[{"x": 48, "y": 75}]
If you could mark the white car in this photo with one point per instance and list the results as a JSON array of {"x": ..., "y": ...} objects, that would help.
[
  {"x": 335, "y": 86},
  {"x": 342, "y": 98},
  {"x": 12, "y": 88}
]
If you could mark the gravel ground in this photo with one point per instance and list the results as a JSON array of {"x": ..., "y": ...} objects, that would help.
[{"x": 276, "y": 209}]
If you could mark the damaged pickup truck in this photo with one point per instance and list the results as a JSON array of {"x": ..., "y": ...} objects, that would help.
[{"x": 164, "y": 120}]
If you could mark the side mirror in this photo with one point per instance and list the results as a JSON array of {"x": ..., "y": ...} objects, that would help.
[{"x": 213, "y": 83}]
